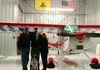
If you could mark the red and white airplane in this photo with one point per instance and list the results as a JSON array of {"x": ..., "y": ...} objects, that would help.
[{"x": 58, "y": 28}]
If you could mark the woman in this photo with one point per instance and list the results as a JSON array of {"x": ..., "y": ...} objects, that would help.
[{"x": 44, "y": 50}]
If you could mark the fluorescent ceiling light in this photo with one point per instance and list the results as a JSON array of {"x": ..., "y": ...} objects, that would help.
[{"x": 59, "y": 9}]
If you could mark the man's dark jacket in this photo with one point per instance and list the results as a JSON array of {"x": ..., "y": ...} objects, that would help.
[
  {"x": 23, "y": 40},
  {"x": 35, "y": 43}
]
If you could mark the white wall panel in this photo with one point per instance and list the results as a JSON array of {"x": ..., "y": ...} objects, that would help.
[
  {"x": 98, "y": 12},
  {"x": 8, "y": 43},
  {"x": 80, "y": 11},
  {"x": 7, "y": 10},
  {"x": 93, "y": 11},
  {"x": 20, "y": 16},
  {"x": 50, "y": 18},
  {"x": 0, "y": 45},
  {"x": 1, "y": 10},
  {"x": 54, "y": 19},
  {"x": 93, "y": 17}
]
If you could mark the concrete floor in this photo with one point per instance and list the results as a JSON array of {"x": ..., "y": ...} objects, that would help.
[{"x": 62, "y": 62}]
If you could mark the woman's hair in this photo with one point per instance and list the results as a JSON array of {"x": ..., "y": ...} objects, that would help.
[{"x": 44, "y": 34}]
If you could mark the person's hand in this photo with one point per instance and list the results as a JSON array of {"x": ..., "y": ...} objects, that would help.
[{"x": 18, "y": 51}]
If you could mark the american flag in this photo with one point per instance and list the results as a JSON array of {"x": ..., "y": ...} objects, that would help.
[
  {"x": 68, "y": 3},
  {"x": 64, "y": 3}
]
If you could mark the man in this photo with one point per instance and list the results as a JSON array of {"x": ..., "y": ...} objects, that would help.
[
  {"x": 24, "y": 46},
  {"x": 35, "y": 44}
]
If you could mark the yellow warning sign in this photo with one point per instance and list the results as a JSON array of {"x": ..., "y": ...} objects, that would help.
[{"x": 42, "y": 4}]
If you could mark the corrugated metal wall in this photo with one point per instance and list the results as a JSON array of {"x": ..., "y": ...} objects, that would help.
[
  {"x": 8, "y": 13},
  {"x": 93, "y": 11},
  {"x": 9, "y": 10},
  {"x": 32, "y": 15},
  {"x": 8, "y": 43},
  {"x": 92, "y": 17},
  {"x": 49, "y": 18}
]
